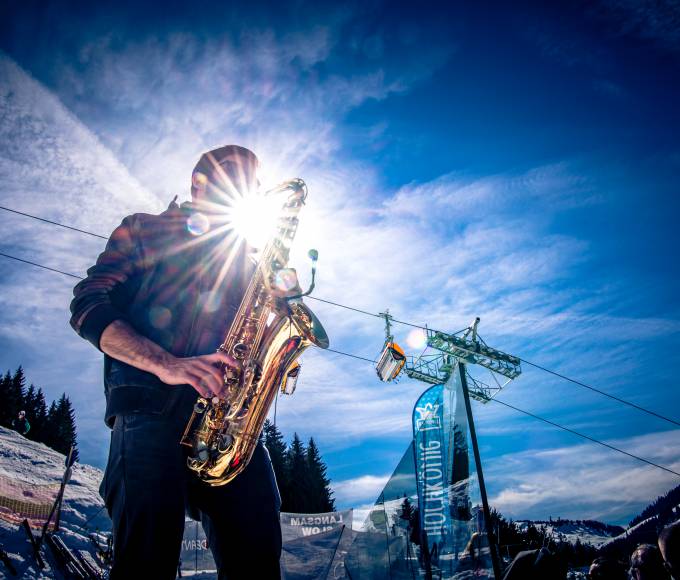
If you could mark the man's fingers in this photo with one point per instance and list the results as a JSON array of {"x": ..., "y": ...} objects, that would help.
[
  {"x": 206, "y": 384},
  {"x": 197, "y": 383},
  {"x": 213, "y": 379},
  {"x": 206, "y": 367},
  {"x": 201, "y": 373},
  {"x": 220, "y": 356}
]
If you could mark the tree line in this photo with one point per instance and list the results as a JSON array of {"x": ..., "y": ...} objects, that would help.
[
  {"x": 55, "y": 426},
  {"x": 300, "y": 473},
  {"x": 645, "y": 528}
]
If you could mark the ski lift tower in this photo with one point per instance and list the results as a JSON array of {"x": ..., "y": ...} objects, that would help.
[
  {"x": 469, "y": 348},
  {"x": 460, "y": 349}
]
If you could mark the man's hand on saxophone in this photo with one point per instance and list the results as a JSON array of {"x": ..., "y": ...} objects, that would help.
[{"x": 121, "y": 341}]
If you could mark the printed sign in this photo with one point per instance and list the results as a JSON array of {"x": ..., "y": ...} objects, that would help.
[
  {"x": 431, "y": 468},
  {"x": 303, "y": 525}
]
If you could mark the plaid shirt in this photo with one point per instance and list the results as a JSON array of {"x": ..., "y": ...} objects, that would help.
[{"x": 176, "y": 284}]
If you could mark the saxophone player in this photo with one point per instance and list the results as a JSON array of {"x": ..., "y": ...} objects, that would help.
[{"x": 157, "y": 303}]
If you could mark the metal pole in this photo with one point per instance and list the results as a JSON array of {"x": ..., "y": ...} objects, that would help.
[{"x": 480, "y": 475}]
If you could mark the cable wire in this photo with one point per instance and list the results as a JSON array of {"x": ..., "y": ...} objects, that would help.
[
  {"x": 614, "y": 397},
  {"x": 572, "y": 431},
  {"x": 35, "y": 217},
  {"x": 367, "y": 313},
  {"x": 345, "y": 307},
  {"x": 350, "y": 355},
  {"x": 40, "y": 266},
  {"x": 365, "y": 359},
  {"x": 359, "y": 310},
  {"x": 588, "y": 437}
]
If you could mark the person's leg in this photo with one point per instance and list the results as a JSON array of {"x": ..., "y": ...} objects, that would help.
[
  {"x": 241, "y": 521},
  {"x": 145, "y": 493}
]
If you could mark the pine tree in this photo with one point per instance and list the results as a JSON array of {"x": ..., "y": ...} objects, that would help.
[
  {"x": 5, "y": 387},
  {"x": 276, "y": 446},
  {"x": 319, "y": 498},
  {"x": 29, "y": 400},
  {"x": 13, "y": 396},
  {"x": 299, "y": 477},
  {"x": 406, "y": 512},
  {"x": 64, "y": 425},
  {"x": 39, "y": 418},
  {"x": 49, "y": 436}
]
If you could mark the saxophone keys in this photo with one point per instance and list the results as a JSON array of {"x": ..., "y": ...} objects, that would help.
[
  {"x": 202, "y": 451},
  {"x": 240, "y": 351},
  {"x": 225, "y": 442}
]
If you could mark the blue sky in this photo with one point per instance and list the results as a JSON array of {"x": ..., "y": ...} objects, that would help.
[{"x": 518, "y": 163}]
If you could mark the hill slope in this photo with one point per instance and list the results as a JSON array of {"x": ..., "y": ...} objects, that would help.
[
  {"x": 28, "y": 466},
  {"x": 587, "y": 531}
]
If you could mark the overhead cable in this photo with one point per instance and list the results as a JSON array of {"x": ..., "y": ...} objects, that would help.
[
  {"x": 35, "y": 217},
  {"x": 615, "y": 398},
  {"x": 588, "y": 437},
  {"x": 372, "y": 314},
  {"x": 557, "y": 425},
  {"x": 365, "y": 359},
  {"x": 40, "y": 266}
]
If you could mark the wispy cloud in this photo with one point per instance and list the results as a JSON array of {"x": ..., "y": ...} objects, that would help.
[
  {"x": 121, "y": 133},
  {"x": 552, "y": 482},
  {"x": 54, "y": 165},
  {"x": 359, "y": 489}
]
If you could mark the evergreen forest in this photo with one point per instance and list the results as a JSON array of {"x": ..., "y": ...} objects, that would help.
[
  {"x": 55, "y": 426},
  {"x": 300, "y": 473}
]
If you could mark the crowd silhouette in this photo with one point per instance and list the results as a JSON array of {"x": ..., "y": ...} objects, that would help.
[{"x": 647, "y": 562}]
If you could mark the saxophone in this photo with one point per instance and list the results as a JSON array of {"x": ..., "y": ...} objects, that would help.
[{"x": 269, "y": 332}]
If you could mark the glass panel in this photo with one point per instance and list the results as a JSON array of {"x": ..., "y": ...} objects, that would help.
[
  {"x": 315, "y": 545},
  {"x": 429, "y": 517}
]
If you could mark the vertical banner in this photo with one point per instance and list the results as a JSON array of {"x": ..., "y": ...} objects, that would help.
[{"x": 431, "y": 452}]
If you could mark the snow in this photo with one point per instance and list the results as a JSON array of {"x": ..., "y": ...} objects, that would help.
[
  {"x": 572, "y": 531},
  {"x": 30, "y": 465}
]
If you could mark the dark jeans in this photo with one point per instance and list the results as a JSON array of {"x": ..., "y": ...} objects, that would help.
[{"x": 148, "y": 488}]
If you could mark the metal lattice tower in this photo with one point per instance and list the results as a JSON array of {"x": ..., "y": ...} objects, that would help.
[{"x": 468, "y": 348}]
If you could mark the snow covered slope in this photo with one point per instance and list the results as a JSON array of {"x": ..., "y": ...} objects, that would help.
[
  {"x": 593, "y": 533},
  {"x": 33, "y": 464}
]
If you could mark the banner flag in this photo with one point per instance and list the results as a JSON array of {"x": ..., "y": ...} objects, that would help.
[{"x": 431, "y": 453}]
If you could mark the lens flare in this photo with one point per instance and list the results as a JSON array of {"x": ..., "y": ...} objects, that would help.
[
  {"x": 210, "y": 301},
  {"x": 286, "y": 279},
  {"x": 199, "y": 180},
  {"x": 254, "y": 217},
  {"x": 417, "y": 338},
  {"x": 198, "y": 224},
  {"x": 160, "y": 317}
]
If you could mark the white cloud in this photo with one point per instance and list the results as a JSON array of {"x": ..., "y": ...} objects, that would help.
[
  {"x": 440, "y": 252},
  {"x": 359, "y": 489},
  {"x": 584, "y": 481}
]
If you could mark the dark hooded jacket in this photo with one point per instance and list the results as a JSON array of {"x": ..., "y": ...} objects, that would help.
[{"x": 176, "y": 285}]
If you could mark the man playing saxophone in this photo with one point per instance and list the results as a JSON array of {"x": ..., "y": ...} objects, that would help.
[{"x": 157, "y": 303}]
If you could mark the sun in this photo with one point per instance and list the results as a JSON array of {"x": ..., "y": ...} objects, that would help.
[{"x": 253, "y": 217}]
